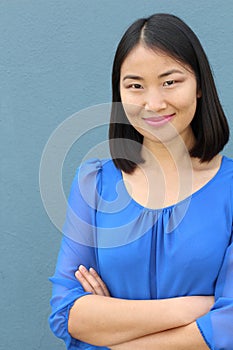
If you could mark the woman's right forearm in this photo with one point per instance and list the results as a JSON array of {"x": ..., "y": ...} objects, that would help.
[{"x": 105, "y": 321}]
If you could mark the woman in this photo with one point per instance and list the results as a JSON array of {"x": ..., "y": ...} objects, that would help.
[{"x": 147, "y": 255}]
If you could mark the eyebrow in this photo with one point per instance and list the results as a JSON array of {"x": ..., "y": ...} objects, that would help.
[
  {"x": 134, "y": 77},
  {"x": 165, "y": 74},
  {"x": 169, "y": 72}
]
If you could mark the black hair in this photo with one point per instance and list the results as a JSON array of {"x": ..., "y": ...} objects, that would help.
[{"x": 169, "y": 34}]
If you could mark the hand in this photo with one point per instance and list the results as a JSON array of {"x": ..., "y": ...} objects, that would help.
[{"x": 91, "y": 281}]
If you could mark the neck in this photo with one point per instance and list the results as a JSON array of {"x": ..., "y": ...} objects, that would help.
[{"x": 174, "y": 152}]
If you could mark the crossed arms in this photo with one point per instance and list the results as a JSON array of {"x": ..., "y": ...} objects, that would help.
[{"x": 122, "y": 324}]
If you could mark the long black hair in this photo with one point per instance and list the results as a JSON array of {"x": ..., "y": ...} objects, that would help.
[{"x": 169, "y": 34}]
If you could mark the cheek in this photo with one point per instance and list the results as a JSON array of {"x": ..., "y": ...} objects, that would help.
[
  {"x": 132, "y": 111},
  {"x": 131, "y": 101},
  {"x": 187, "y": 102}
]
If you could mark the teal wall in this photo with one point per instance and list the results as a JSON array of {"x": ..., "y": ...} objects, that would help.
[{"x": 55, "y": 60}]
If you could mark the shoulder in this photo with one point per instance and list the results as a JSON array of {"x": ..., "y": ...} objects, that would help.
[
  {"x": 88, "y": 180},
  {"x": 95, "y": 166},
  {"x": 227, "y": 167},
  {"x": 94, "y": 171},
  {"x": 95, "y": 182},
  {"x": 225, "y": 178},
  {"x": 228, "y": 161}
]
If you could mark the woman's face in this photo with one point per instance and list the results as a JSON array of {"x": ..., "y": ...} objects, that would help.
[{"x": 159, "y": 94}]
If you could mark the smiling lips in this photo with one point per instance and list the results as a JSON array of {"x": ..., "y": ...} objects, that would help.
[{"x": 158, "y": 120}]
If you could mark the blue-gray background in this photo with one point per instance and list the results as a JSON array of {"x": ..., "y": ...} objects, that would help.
[{"x": 55, "y": 60}]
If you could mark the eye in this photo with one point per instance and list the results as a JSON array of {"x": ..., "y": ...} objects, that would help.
[
  {"x": 169, "y": 83},
  {"x": 135, "y": 86}
]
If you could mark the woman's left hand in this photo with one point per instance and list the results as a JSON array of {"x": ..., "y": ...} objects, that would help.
[{"x": 91, "y": 281}]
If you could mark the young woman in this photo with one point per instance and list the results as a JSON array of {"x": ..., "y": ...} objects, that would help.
[{"x": 146, "y": 259}]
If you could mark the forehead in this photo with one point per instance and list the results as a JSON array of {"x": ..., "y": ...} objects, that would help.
[{"x": 142, "y": 58}]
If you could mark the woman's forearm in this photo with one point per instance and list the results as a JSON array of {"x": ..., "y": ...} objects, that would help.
[
  {"x": 105, "y": 321},
  {"x": 182, "y": 338}
]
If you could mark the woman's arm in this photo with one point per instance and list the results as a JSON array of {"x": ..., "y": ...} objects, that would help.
[
  {"x": 182, "y": 338},
  {"x": 104, "y": 321}
]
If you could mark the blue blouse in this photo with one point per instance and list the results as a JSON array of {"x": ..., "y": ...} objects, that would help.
[{"x": 141, "y": 253}]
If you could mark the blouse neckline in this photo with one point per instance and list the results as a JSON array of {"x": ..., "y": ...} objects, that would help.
[{"x": 194, "y": 194}]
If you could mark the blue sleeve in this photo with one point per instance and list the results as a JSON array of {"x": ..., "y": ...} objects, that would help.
[
  {"x": 216, "y": 326},
  {"x": 77, "y": 248}
]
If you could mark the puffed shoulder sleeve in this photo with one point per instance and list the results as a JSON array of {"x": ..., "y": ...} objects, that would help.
[
  {"x": 77, "y": 247},
  {"x": 216, "y": 326}
]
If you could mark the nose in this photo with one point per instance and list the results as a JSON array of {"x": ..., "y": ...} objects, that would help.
[{"x": 154, "y": 101}]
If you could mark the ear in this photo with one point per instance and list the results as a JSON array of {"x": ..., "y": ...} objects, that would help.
[{"x": 199, "y": 93}]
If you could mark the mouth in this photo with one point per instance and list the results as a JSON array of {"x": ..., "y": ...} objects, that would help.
[{"x": 158, "y": 120}]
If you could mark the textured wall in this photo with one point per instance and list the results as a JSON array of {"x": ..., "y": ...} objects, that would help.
[{"x": 55, "y": 60}]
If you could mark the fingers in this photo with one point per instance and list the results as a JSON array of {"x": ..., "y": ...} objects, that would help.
[
  {"x": 85, "y": 284},
  {"x": 100, "y": 281},
  {"x": 91, "y": 282}
]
